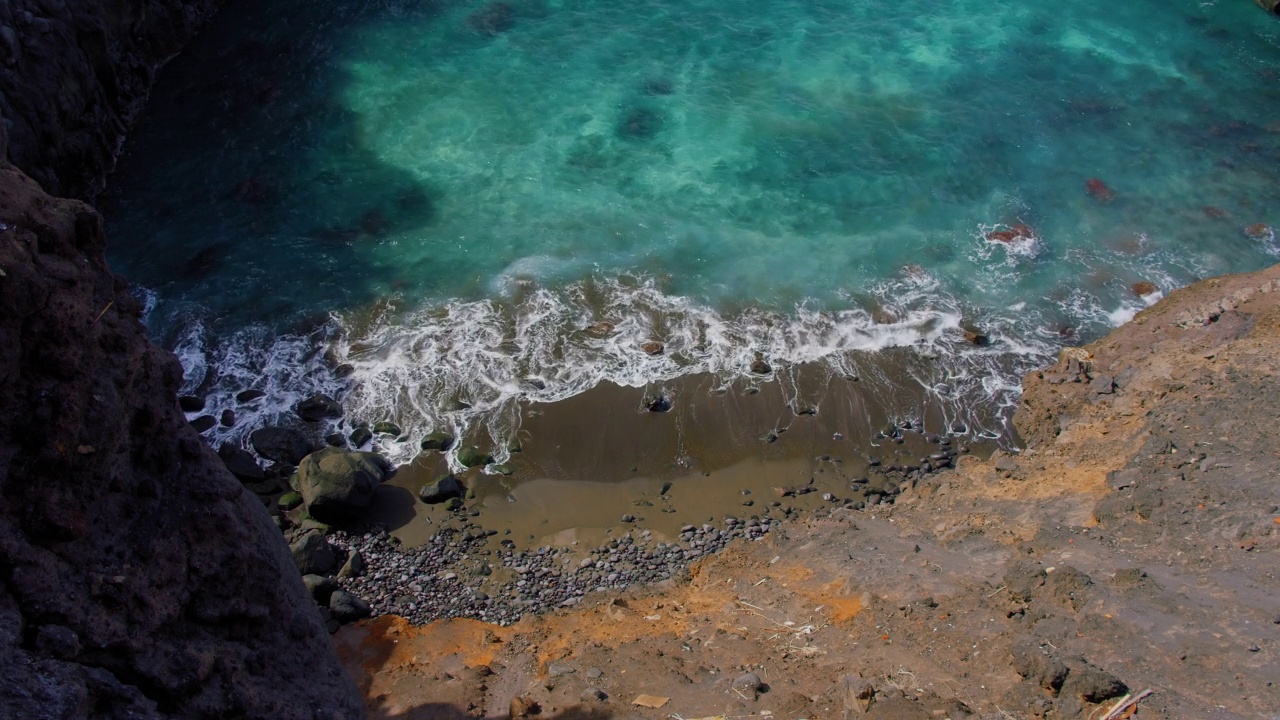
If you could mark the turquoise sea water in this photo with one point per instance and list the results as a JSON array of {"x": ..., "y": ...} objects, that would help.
[{"x": 446, "y": 194}]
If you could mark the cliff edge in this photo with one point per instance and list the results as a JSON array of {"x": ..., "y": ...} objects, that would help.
[{"x": 138, "y": 578}]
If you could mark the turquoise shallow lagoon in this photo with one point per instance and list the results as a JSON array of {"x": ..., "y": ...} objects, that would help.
[{"x": 445, "y": 195}]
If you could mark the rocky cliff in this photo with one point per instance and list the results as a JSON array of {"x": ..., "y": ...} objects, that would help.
[
  {"x": 137, "y": 577},
  {"x": 74, "y": 75}
]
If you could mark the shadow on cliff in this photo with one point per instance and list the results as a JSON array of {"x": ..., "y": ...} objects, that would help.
[{"x": 248, "y": 188}]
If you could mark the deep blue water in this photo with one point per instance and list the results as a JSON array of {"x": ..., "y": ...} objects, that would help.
[{"x": 454, "y": 190}]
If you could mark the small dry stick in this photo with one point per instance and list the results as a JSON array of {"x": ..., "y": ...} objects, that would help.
[
  {"x": 997, "y": 590},
  {"x": 1125, "y": 703},
  {"x": 104, "y": 312}
]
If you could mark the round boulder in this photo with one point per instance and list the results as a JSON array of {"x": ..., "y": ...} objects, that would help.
[
  {"x": 336, "y": 485},
  {"x": 441, "y": 490}
]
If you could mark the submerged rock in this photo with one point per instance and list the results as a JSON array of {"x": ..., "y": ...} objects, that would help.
[
  {"x": 1098, "y": 190},
  {"x": 337, "y": 485},
  {"x": 640, "y": 123},
  {"x": 493, "y": 19}
]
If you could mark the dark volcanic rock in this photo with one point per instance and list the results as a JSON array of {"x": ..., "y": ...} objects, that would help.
[
  {"x": 241, "y": 464},
  {"x": 473, "y": 456},
  {"x": 318, "y": 407},
  {"x": 151, "y": 558},
  {"x": 337, "y": 485},
  {"x": 437, "y": 441},
  {"x": 281, "y": 445},
  {"x": 76, "y": 76}
]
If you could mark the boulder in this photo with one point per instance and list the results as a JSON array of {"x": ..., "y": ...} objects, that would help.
[
  {"x": 190, "y": 403},
  {"x": 228, "y": 418},
  {"x": 386, "y": 427},
  {"x": 320, "y": 587},
  {"x": 760, "y": 367},
  {"x": 346, "y": 607},
  {"x": 318, "y": 407},
  {"x": 360, "y": 436},
  {"x": 437, "y": 441},
  {"x": 250, "y": 395},
  {"x": 204, "y": 423},
  {"x": 653, "y": 347},
  {"x": 241, "y": 464},
  {"x": 313, "y": 555},
  {"x": 442, "y": 490},
  {"x": 289, "y": 501},
  {"x": 336, "y": 485},
  {"x": 472, "y": 456},
  {"x": 353, "y": 567},
  {"x": 281, "y": 445}
]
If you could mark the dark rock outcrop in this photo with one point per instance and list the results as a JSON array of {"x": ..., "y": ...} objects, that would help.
[
  {"x": 138, "y": 578},
  {"x": 74, "y": 75}
]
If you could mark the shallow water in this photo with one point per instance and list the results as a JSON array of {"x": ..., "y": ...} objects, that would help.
[{"x": 445, "y": 195}]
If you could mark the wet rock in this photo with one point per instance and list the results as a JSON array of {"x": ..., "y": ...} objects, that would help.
[
  {"x": 313, "y": 555},
  {"x": 337, "y": 440},
  {"x": 442, "y": 490},
  {"x": 502, "y": 469},
  {"x": 657, "y": 404},
  {"x": 190, "y": 403},
  {"x": 440, "y": 441},
  {"x": 472, "y": 456},
  {"x": 344, "y": 370},
  {"x": 337, "y": 485},
  {"x": 360, "y": 436},
  {"x": 241, "y": 464},
  {"x": 281, "y": 445},
  {"x": 346, "y": 607},
  {"x": 228, "y": 418},
  {"x": 1143, "y": 288},
  {"x": 250, "y": 395},
  {"x": 760, "y": 367},
  {"x": 974, "y": 336},
  {"x": 318, "y": 407},
  {"x": 386, "y": 427},
  {"x": 653, "y": 347},
  {"x": 204, "y": 423}
]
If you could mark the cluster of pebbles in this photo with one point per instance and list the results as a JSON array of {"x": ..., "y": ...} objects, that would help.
[{"x": 458, "y": 573}]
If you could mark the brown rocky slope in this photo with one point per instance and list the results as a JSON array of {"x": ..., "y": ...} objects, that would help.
[
  {"x": 138, "y": 578},
  {"x": 1134, "y": 545}
]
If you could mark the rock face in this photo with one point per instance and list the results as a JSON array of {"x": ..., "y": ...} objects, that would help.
[
  {"x": 73, "y": 76},
  {"x": 140, "y": 579},
  {"x": 336, "y": 485}
]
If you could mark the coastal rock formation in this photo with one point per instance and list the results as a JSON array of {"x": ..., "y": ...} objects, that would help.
[
  {"x": 73, "y": 76},
  {"x": 138, "y": 578}
]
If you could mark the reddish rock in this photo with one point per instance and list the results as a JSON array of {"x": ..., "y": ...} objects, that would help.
[
  {"x": 653, "y": 347},
  {"x": 1017, "y": 231},
  {"x": 1143, "y": 288},
  {"x": 1257, "y": 231},
  {"x": 1098, "y": 190}
]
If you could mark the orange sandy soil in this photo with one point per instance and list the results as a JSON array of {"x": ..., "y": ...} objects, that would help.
[{"x": 1135, "y": 539}]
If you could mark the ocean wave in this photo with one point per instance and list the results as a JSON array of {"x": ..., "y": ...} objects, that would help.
[{"x": 469, "y": 367}]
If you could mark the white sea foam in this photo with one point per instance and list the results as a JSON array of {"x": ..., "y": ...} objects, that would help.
[{"x": 468, "y": 366}]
